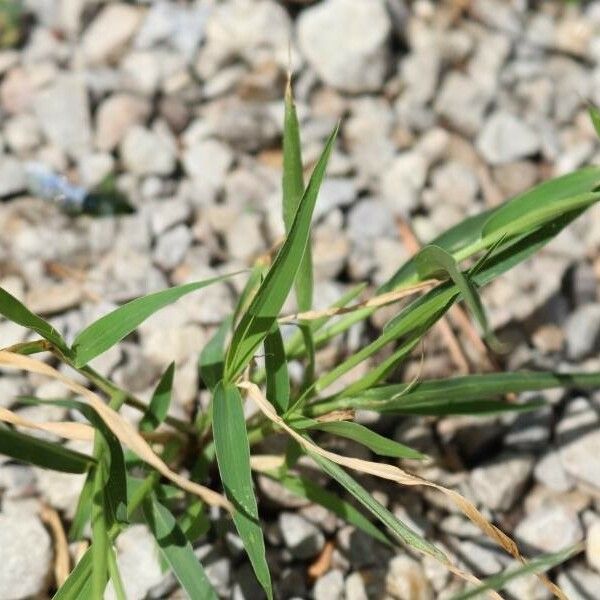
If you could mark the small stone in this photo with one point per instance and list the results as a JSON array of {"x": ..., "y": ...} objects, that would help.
[
  {"x": 405, "y": 580},
  {"x": 592, "y": 546},
  {"x": 25, "y": 556},
  {"x": 578, "y": 583},
  {"x": 583, "y": 331},
  {"x": 489, "y": 560},
  {"x": 463, "y": 102},
  {"x": 578, "y": 442},
  {"x": 301, "y": 537},
  {"x": 138, "y": 562},
  {"x": 172, "y": 247},
  {"x": 55, "y": 298},
  {"x": 499, "y": 484},
  {"x": 145, "y": 152},
  {"x": 244, "y": 237},
  {"x": 329, "y": 586},
  {"x": 209, "y": 161},
  {"x": 115, "y": 115},
  {"x": 352, "y": 58},
  {"x": 354, "y": 587},
  {"x": 164, "y": 214},
  {"x": 22, "y": 133},
  {"x": 505, "y": 138},
  {"x": 530, "y": 430},
  {"x": 94, "y": 168},
  {"x": 549, "y": 471},
  {"x": 455, "y": 184},
  {"x": 550, "y": 528},
  {"x": 63, "y": 112},
  {"x": 12, "y": 176},
  {"x": 403, "y": 181},
  {"x": 177, "y": 344},
  {"x": 110, "y": 32},
  {"x": 526, "y": 587},
  {"x": 335, "y": 192}
]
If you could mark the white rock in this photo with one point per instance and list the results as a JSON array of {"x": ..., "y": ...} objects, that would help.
[
  {"x": 110, "y": 32},
  {"x": 456, "y": 184},
  {"x": 209, "y": 161},
  {"x": 498, "y": 485},
  {"x": 172, "y": 247},
  {"x": 244, "y": 237},
  {"x": 12, "y": 176},
  {"x": 552, "y": 527},
  {"x": 63, "y": 112},
  {"x": 115, "y": 116},
  {"x": 173, "y": 344},
  {"x": 22, "y": 133},
  {"x": 138, "y": 562},
  {"x": 25, "y": 556},
  {"x": 505, "y": 138},
  {"x": 578, "y": 583},
  {"x": 329, "y": 586},
  {"x": 463, "y": 102},
  {"x": 301, "y": 537},
  {"x": 94, "y": 168},
  {"x": 144, "y": 152},
  {"x": 245, "y": 28},
  {"x": 353, "y": 56},
  {"x": 402, "y": 182},
  {"x": 180, "y": 25},
  {"x": 578, "y": 440},
  {"x": 405, "y": 580},
  {"x": 355, "y": 588},
  {"x": 583, "y": 331},
  {"x": 592, "y": 546}
]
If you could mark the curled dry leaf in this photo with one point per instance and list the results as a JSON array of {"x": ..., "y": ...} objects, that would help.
[
  {"x": 375, "y": 302},
  {"x": 125, "y": 433},
  {"x": 65, "y": 429},
  {"x": 62, "y": 563},
  {"x": 266, "y": 462},
  {"x": 393, "y": 473}
]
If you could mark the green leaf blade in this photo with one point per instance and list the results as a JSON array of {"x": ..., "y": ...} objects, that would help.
[
  {"x": 160, "y": 402},
  {"x": 48, "y": 455},
  {"x": 278, "y": 380},
  {"x": 116, "y": 325},
  {"x": 266, "y": 304},
  {"x": 177, "y": 551},
  {"x": 233, "y": 460}
]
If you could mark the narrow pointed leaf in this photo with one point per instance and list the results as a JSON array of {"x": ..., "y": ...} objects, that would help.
[
  {"x": 293, "y": 188},
  {"x": 160, "y": 402},
  {"x": 79, "y": 583},
  {"x": 177, "y": 551},
  {"x": 540, "y": 564},
  {"x": 278, "y": 381},
  {"x": 595, "y": 118},
  {"x": 212, "y": 357},
  {"x": 41, "y": 453},
  {"x": 305, "y": 488},
  {"x": 266, "y": 304},
  {"x": 17, "y": 312},
  {"x": 363, "y": 435},
  {"x": 544, "y": 202},
  {"x": 400, "y": 531},
  {"x": 233, "y": 460},
  {"x": 116, "y": 325}
]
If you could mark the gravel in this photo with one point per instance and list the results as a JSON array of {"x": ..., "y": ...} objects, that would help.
[
  {"x": 26, "y": 556},
  {"x": 301, "y": 537},
  {"x": 442, "y": 115},
  {"x": 498, "y": 485},
  {"x": 350, "y": 57}
]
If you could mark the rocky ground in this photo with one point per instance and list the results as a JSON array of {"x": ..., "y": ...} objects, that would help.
[{"x": 446, "y": 108}]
